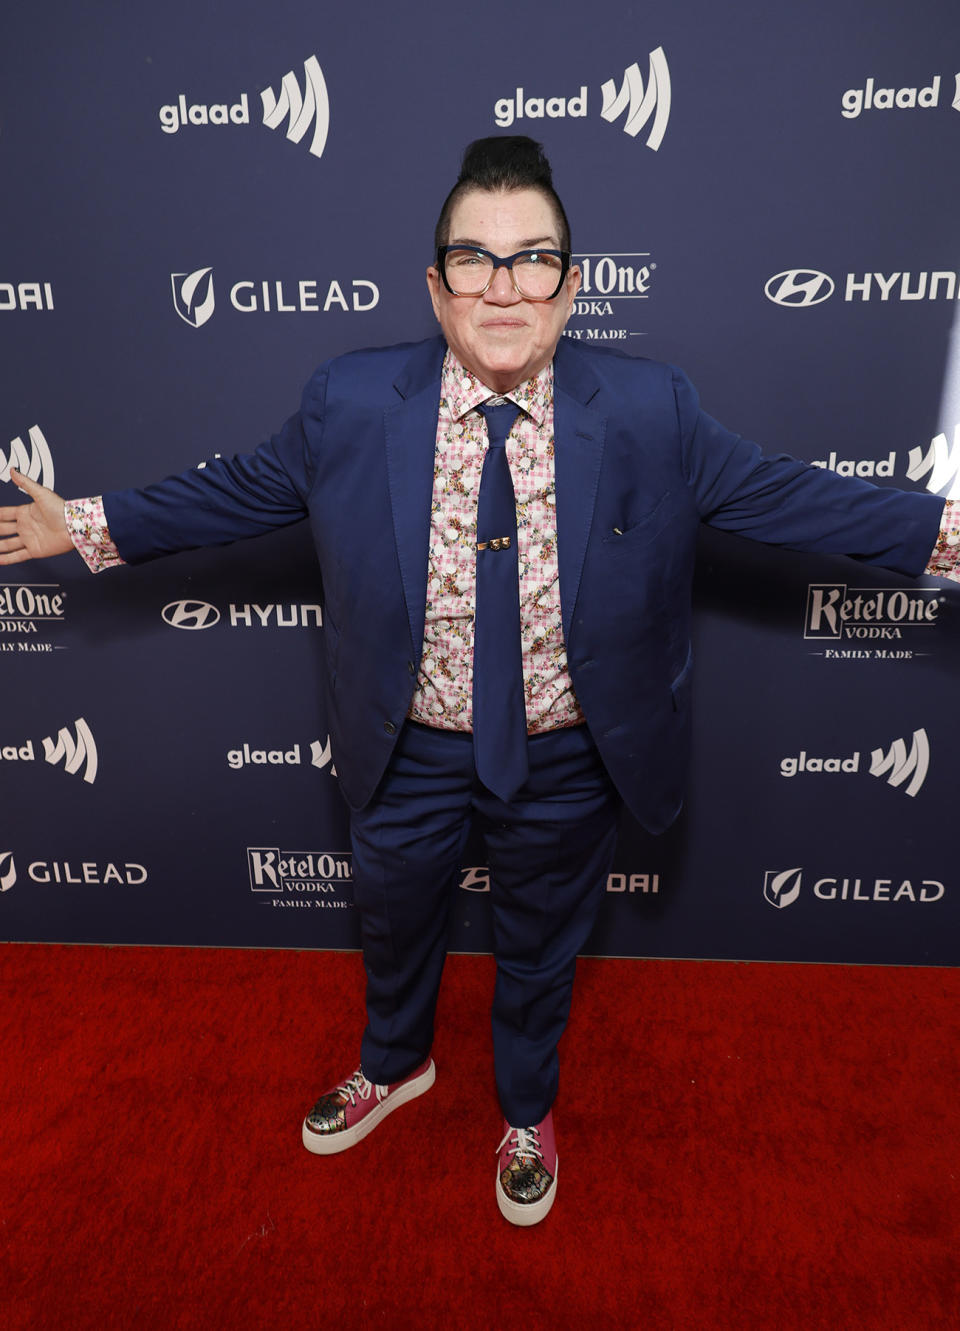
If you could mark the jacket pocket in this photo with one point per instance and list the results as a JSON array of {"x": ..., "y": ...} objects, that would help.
[{"x": 636, "y": 531}]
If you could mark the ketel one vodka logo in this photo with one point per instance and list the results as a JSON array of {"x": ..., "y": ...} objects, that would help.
[
  {"x": 639, "y": 102},
  {"x": 836, "y": 611},
  {"x": 301, "y": 108},
  {"x": 301, "y": 877}
]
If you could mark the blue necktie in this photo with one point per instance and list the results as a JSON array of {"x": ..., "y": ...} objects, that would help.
[{"x": 499, "y": 711}]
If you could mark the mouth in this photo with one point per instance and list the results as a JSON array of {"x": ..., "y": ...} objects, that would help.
[{"x": 504, "y": 322}]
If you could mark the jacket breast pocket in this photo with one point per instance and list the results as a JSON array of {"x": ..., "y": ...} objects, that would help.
[{"x": 631, "y": 532}]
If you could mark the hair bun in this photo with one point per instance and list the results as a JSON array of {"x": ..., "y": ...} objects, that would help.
[{"x": 506, "y": 158}]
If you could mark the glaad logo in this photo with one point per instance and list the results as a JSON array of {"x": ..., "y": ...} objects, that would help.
[
  {"x": 942, "y": 462},
  {"x": 74, "y": 751},
  {"x": 26, "y": 296},
  {"x": 8, "y": 871},
  {"x": 202, "y": 615},
  {"x": 858, "y": 466},
  {"x": 320, "y": 757},
  {"x": 639, "y": 100},
  {"x": 193, "y": 296},
  {"x": 301, "y": 108},
  {"x": 781, "y": 889},
  {"x": 301, "y": 877},
  {"x": 900, "y": 764},
  {"x": 194, "y": 299},
  {"x": 37, "y": 464},
  {"x": 799, "y": 287},
  {"x": 872, "y": 98}
]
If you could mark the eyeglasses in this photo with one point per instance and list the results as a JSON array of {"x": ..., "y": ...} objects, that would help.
[{"x": 536, "y": 274}]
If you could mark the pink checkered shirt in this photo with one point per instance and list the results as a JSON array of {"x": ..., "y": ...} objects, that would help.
[{"x": 443, "y": 695}]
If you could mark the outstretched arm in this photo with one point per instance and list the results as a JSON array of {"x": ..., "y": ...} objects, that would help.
[{"x": 35, "y": 530}]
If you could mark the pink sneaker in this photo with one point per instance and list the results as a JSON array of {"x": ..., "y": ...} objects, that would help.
[
  {"x": 344, "y": 1116},
  {"x": 527, "y": 1172}
]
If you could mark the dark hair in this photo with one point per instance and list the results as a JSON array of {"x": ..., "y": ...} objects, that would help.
[{"x": 503, "y": 162}]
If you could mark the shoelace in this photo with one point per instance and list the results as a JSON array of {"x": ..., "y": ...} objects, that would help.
[
  {"x": 528, "y": 1143},
  {"x": 358, "y": 1085}
]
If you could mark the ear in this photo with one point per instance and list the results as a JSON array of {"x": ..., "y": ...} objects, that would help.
[
  {"x": 433, "y": 286},
  {"x": 572, "y": 284}
]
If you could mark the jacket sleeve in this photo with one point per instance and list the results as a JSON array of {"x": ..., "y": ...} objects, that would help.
[
  {"x": 785, "y": 502},
  {"x": 227, "y": 499}
]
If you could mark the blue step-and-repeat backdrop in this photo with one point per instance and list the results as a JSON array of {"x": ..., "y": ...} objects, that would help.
[{"x": 201, "y": 203}]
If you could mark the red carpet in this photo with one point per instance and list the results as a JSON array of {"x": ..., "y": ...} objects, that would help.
[{"x": 741, "y": 1146}]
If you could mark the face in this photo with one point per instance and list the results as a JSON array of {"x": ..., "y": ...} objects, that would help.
[{"x": 500, "y": 337}]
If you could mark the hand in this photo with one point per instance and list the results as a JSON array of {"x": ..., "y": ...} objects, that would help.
[{"x": 35, "y": 530}]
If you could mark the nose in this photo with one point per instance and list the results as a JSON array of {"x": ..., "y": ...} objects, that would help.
[{"x": 501, "y": 290}]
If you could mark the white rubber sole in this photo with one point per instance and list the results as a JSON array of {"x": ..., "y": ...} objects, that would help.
[
  {"x": 531, "y": 1213},
  {"x": 330, "y": 1143}
]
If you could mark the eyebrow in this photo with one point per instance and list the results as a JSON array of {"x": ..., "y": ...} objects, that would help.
[{"x": 547, "y": 242}]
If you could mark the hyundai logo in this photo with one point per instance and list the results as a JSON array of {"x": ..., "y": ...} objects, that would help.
[
  {"x": 190, "y": 614},
  {"x": 799, "y": 287}
]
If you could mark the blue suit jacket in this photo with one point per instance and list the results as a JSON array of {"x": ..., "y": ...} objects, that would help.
[{"x": 638, "y": 467}]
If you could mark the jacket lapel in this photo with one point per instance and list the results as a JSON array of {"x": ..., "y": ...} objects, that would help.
[
  {"x": 411, "y": 437},
  {"x": 579, "y": 432}
]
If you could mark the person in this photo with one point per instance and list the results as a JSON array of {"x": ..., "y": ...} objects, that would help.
[{"x": 505, "y": 521}]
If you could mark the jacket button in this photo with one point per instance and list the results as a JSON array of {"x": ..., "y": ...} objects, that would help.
[
  {"x": 389, "y": 727},
  {"x": 411, "y": 668}
]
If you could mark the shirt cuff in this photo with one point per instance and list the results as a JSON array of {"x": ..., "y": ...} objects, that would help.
[
  {"x": 87, "y": 525},
  {"x": 945, "y": 560}
]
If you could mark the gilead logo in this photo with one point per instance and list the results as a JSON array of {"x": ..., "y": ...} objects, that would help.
[
  {"x": 782, "y": 888},
  {"x": 8, "y": 871}
]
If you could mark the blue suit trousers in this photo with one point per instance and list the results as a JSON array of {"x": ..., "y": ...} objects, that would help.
[{"x": 549, "y": 852}]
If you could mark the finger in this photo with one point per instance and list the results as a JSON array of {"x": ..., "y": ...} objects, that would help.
[
  {"x": 11, "y": 543},
  {"x": 24, "y": 482},
  {"x": 17, "y": 557},
  {"x": 8, "y": 521}
]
